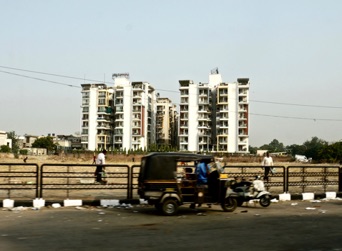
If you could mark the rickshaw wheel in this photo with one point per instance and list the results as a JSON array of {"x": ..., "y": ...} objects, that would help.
[
  {"x": 170, "y": 207},
  {"x": 229, "y": 204}
]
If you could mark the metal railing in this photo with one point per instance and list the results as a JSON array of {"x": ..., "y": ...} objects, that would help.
[
  {"x": 313, "y": 178},
  {"x": 73, "y": 178},
  {"x": 19, "y": 180},
  {"x": 26, "y": 180},
  {"x": 277, "y": 180}
]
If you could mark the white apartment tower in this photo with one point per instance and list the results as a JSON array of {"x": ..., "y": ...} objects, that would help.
[
  {"x": 97, "y": 117},
  {"x": 166, "y": 123},
  {"x": 135, "y": 108},
  {"x": 232, "y": 109},
  {"x": 214, "y": 116}
]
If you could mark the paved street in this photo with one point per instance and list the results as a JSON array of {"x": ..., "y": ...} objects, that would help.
[{"x": 283, "y": 226}]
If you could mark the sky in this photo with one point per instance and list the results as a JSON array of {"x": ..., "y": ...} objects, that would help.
[{"x": 290, "y": 50}]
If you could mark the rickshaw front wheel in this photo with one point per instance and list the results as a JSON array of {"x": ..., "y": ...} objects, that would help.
[
  {"x": 170, "y": 207},
  {"x": 229, "y": 204}
]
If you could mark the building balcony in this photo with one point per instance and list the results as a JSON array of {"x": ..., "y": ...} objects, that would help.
[
  {"x": 184, "y": 118},
  {"x": 204, "y": 111}
]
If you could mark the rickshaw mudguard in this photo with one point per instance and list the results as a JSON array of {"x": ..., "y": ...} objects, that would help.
[{"x": 170, "y": 195}]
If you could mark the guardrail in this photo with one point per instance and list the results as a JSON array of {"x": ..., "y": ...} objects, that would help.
[
  {"x": 276, "y": 181},
  {"x": 313, "y": 178},
  {"x": 73, "y": 178},
  {"x": 77, "y": 180},
  {"x": 18, "y": 180}
]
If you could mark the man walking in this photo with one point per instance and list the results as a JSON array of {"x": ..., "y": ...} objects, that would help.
[
  {"x": 100, "y": 161},
  {"x": 267, "y": 164}
]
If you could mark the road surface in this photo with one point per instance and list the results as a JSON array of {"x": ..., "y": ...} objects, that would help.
[{"x": 284, "y": 226}]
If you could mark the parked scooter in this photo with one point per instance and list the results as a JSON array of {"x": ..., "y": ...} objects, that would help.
[{"x": 246, "y": 191}]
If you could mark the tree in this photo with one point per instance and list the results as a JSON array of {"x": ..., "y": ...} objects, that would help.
[
  {"x": 313, "y": 147},
  {"x": 45, "y": 142},
  {"x": 15, "y": 142},
  {"x": 253, "y": 150},
  {"x": 330, "y": 153},
  {"x": 274, "y": 146},
  {"x": 296, "y": 149}
]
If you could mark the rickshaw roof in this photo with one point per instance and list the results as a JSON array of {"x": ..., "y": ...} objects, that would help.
[{"x": 163, "y": 165}]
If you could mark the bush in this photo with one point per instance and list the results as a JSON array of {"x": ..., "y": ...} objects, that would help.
[
  {"x": 23, "y": 152},
  {"x": 5, "y": 149}
]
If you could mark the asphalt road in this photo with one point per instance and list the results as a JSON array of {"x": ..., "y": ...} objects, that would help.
[{"x": 284, "y": 226}]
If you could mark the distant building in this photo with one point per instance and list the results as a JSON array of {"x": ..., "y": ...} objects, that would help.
[
  {"x": 214, "y": 116},
  {"x": 97, "y": 117},
  {"x": 26, "y": 141},
  {"x": 135, "y": 113},
  {"x": 4, "y": 141},
  {"x": 67, "y": 142},
  {"x": 166, "y": 123}
]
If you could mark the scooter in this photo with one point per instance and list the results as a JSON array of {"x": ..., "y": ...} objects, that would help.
[{"x": 246, "y": 191}]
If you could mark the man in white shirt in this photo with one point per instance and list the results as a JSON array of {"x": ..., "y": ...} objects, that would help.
[
  {"x": 100, "y": 161},
  {"x": 267, "y": 163}
]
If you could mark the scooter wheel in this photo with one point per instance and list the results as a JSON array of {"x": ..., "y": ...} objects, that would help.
[{"x": 229, "y": 204}]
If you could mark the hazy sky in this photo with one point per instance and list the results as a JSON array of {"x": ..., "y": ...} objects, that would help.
[{"x": 290, "y": 50}]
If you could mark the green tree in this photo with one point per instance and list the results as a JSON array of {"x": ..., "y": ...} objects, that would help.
[
  {"x": 274, "y": 146},
  {"x": 330, "y": 153},
  {"x": 314, "y": 147},
  {"x": 296, "y": 149},
  {"x": 45, "y": 142},
  {"x": 15, "y": 142},
  {"x": 253, "y": 150}
]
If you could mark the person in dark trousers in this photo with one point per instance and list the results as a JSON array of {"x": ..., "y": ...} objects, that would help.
[
  {"x": 100, "y": 161},
  {"x": 267, "y": 164}
]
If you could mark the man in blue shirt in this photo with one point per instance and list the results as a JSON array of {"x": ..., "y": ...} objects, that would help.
[{"x": 202, "y": 171}]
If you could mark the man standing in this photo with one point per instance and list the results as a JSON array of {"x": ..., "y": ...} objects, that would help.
[
  {"x": 267, "y": 163},
  {"x": 100, "y": 161},
  {"x": 202, "y": 171}
]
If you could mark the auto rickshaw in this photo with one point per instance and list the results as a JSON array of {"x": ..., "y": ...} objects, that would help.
[{"x": 167, "y": 181}]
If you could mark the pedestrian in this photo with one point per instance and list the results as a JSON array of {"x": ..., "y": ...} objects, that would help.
[
  {"x": 267, "y": 164},
  {"x": 100, "y": 169},
  {"x": 202, "y": 172}
]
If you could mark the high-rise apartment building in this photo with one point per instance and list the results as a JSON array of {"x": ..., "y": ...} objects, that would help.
[
  {"x": 129, "y": 115},
  {"x": 166, "y": 123},
  {"x": 135, "y": 113},
  {"x": 97, "y": 117},
  {"x": 214, "y": 116}
]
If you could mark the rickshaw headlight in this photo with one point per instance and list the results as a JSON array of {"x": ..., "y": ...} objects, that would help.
[{"x": 200, "y": 194}]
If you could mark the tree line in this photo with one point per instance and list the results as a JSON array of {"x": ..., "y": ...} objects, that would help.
[{"x": 319, "y": 150}]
